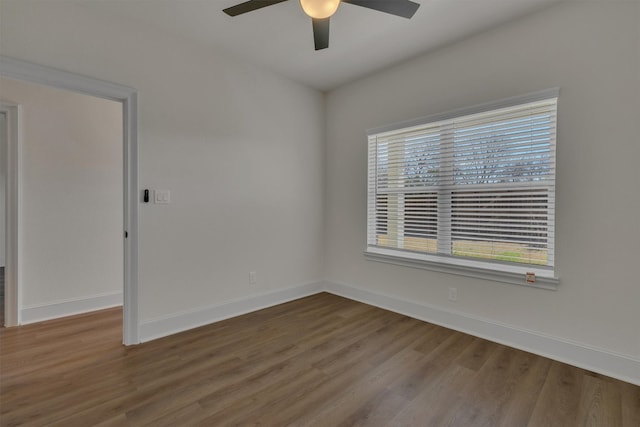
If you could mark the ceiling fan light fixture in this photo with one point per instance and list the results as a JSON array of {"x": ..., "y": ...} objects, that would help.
[{"x": 320, "y": 9}]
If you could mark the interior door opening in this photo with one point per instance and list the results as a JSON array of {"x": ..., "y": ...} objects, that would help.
[
  {"x": 3, "y": 214},
  {"x": 72, "y": 201},
  {"x": 24, "y": 306}
]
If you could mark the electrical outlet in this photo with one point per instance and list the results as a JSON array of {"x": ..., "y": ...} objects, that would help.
[
  {"x": 252, "y": 277},
  {"x": 453, "y": 294}
]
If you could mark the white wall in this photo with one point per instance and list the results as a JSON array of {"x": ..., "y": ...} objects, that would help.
[
  {"x": 591, "y": 50},
  {"x": 240, "y": 149},
  {"x": 71, "y": 195}
]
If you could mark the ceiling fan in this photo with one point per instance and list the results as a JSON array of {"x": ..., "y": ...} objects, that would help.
[{"x": 320, "y": 11}]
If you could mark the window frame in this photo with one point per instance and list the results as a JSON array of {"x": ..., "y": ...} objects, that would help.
[{"x": 508, "y": 272}]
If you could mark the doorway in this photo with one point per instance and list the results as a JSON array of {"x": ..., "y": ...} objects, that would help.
[
  {"x": 127, "y": 97},
  {"x": 3, "y": 179},
  {"x": 11, "y": 208}
]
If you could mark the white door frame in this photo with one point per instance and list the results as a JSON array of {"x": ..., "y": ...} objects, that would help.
[{"x": 34, "y": 73}]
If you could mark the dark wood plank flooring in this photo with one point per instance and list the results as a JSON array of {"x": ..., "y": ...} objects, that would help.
[{"x": 318, "y": 361}]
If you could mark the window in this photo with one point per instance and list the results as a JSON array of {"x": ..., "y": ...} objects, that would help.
[{"x": 473, "y": 189}]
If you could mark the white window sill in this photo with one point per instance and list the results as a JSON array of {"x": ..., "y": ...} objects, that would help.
[{"x": 482, "y": 270}]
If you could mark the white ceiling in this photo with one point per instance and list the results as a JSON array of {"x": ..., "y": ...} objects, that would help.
[{"x": 280, "y": 38}]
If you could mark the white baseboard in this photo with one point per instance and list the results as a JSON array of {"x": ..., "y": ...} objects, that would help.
[
  {"x": 178, "y": 322},
  {"x": 63, "y": 308},
  {"x": 622, "y": 367}
]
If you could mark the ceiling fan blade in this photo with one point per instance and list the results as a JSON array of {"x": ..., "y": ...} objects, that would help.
[
  {"x": 321, "y": 33},
  {"x": 403, "y": 8},
  {"x": 249, "y": 6}
]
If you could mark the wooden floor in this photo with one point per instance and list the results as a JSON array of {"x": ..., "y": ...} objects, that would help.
[{"x": 322, "y": 360}]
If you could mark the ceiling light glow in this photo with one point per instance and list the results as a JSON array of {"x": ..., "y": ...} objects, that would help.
[{"x": 320, "y": 9}]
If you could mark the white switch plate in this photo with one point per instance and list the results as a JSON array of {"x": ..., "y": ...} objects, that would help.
[{"x": 162, "y": 197}]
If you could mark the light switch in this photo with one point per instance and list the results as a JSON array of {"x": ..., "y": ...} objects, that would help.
[{"x": 162, "y": 197}]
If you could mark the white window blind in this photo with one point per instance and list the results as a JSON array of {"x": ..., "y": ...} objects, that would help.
[{"x": 477, "y": 187}]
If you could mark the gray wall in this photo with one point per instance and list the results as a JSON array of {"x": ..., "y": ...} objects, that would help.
[
  {"x": 591, "y": 50},
  {"x": 240, "y": 149}
]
